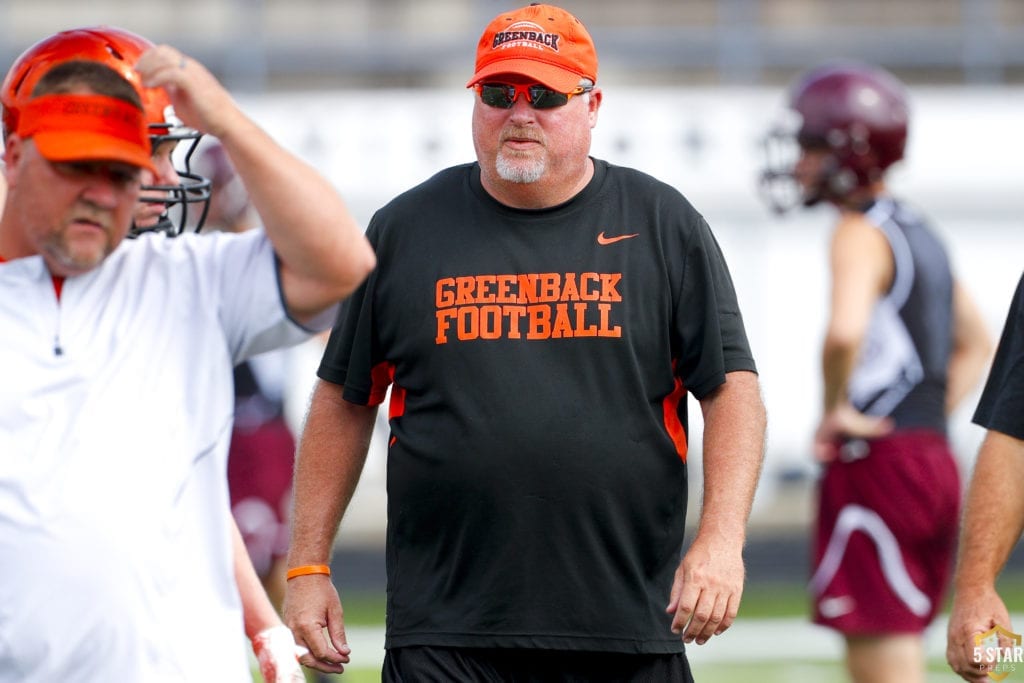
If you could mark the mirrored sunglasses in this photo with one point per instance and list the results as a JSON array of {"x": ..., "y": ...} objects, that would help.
[{"x": 503, "y": 95}]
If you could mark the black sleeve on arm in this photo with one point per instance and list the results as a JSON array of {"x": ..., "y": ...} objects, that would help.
[
  {"x": 350, "y": 356},
  {"x": 1001, "y": 406},
  {"x": 708, "y": 318}
]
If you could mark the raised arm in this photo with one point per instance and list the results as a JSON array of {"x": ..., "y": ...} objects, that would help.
[{"x": 322, "y": 252}]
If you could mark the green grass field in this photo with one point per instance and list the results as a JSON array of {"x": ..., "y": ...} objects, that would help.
[{"x": 761, "y": 601}]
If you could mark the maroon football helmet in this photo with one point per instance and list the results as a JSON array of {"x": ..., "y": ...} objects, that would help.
[{"x": 854, "y": 112}]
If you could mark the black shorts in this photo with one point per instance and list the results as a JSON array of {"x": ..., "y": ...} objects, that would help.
[{"x": 501, "y": 665}]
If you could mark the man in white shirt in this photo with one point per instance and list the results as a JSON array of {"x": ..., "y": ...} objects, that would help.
[{"x": 114, "y": 412}]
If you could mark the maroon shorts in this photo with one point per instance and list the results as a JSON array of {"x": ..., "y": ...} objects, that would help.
[
  {"x": 260, "y": 481},
  {"x": 886, "y": 534}
]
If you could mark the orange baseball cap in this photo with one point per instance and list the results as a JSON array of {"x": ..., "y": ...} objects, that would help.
[
  {"x": 541, "y": 42},
  {"x": 87, "y": 128}
]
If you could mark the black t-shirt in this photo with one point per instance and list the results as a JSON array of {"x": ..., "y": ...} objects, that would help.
[
  {"x": 1001, "y": 406},
  {"x": 536, "y": 468}
]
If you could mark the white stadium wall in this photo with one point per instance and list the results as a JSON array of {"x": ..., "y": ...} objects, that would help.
[{"x": 964, "y": 168}]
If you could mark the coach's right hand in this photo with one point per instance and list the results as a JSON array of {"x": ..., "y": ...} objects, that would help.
[{"x": 312, "y": 610}]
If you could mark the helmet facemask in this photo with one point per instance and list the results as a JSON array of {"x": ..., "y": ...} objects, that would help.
[
  {"x": 120, "y": 50},
  {"x": 854, "y": 119},
  {"x": 185, "y": 203},
  {"x": 778, "y": 185},
  {"x": 782, "y": 186}
]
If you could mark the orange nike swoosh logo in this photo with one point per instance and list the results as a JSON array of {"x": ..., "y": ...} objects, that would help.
[{"x": 601, "y": 239}]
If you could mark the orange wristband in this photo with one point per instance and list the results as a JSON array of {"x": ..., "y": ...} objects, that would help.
[{"x": 307, "y": 569}]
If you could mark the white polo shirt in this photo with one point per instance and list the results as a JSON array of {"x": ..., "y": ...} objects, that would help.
[{"x": 115, "y": 417}]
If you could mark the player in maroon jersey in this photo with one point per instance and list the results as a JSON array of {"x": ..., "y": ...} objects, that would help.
[{"x": 904, "y": 345}]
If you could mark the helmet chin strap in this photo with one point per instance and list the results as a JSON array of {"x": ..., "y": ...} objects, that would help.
[
  {"x": 842, "y": 182},
  {"x": 194, "y": 191},
  {"x": 163, "y": 224},
  {"x": 166, "y": 225},
  {"x": 834, "y": 185},
  {"x": 843, "y": 190}
]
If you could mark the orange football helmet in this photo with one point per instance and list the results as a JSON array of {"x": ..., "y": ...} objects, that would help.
[{"x": 120, "y": 50}]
